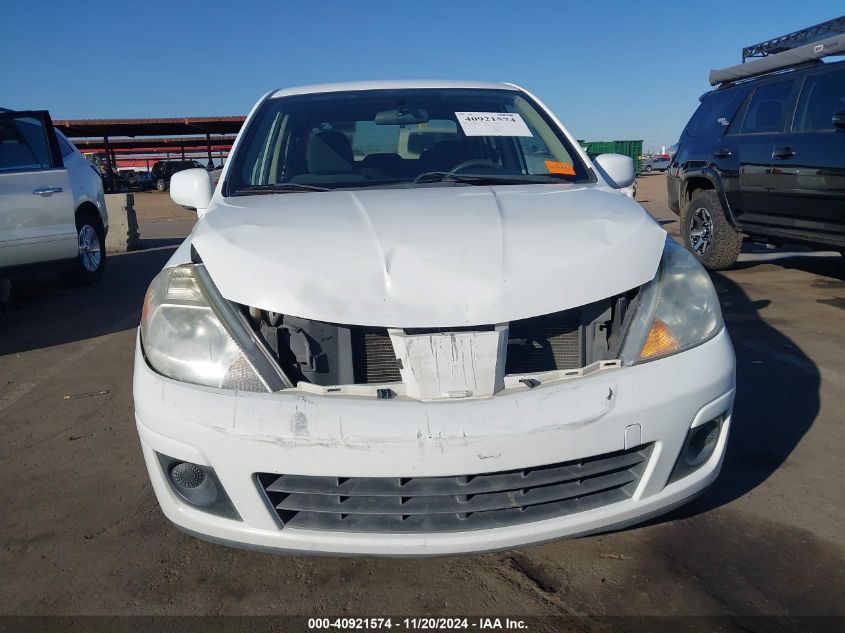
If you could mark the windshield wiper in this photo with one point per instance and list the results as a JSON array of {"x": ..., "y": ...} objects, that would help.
[
  {"x": 484, "y": 179},
  {"x": 282, "y": 187}
]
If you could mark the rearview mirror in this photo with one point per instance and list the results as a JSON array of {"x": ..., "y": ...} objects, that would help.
[
  {"x": 617, "y": 170},
  {"x": 839, "y": 119},
  {"x": 401, "y": 116},
  {"x": 192, "y": 188}
]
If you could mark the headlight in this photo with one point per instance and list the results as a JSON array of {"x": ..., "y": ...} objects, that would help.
[
  {"x": 184, "y": 337},
  {"x": 678, "y": 309}
]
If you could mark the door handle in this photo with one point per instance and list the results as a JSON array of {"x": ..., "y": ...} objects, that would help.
[
  {"x": 722, "y": 153},
  {"x": 783, "y": 153},
  {"x": 46, "y": 191}
]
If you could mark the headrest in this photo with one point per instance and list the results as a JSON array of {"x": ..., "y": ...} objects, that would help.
[{"x": 330, "y": 152}]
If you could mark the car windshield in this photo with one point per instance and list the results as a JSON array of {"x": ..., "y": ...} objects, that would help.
[{"x": 400, "y": 138}]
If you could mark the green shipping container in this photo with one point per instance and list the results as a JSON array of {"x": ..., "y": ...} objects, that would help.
[{"x": 634, "y": 149}]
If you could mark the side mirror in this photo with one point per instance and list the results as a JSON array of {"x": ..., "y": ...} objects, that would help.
[
  {"x": 839, "y": 119},
  {"x": 192, "y": 188},
  {"x": 616, "y": 169}
]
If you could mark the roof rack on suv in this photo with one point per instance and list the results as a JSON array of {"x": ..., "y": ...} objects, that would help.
[
  {"x": 836, "y": 26},
  {"x": 786, "y": 51}
]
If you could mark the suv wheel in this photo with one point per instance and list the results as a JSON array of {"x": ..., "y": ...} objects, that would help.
[
  {"x": 707, "y": 233},
  {"x": 161, "y": 185},
  {"x": 91, "y": 260},
  {"x": 648, "y": 168}
]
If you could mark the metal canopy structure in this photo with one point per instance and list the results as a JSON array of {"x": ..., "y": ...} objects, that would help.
[
  {"x": 181, "y": 126},
  {"x": 836, "y": 26},
  {"x": 153, "y": 144},
  {"x": 150, "y": 136}
]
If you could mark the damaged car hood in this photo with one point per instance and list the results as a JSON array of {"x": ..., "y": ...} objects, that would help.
[{"x": 428, "y": 257}]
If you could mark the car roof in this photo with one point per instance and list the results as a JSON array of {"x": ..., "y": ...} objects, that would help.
[
  {"x": 388, "y": 85},
  {"x": 780, "y": 72}
]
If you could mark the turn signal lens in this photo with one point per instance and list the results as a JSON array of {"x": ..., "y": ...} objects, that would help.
[
  {"x": 659, "y": 342},
  {"x": 676, "y": 310}
]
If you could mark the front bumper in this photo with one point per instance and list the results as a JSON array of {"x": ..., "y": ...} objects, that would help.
[{"x": 240, "y": 434}]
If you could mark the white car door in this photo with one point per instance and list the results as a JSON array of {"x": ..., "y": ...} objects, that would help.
[{"x": 36, "y": 202}]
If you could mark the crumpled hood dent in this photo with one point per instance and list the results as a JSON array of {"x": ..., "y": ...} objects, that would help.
[{"x": 428, "y": 257}]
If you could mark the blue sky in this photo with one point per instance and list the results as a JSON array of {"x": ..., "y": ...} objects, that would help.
[{"x": 610, "y": 70}]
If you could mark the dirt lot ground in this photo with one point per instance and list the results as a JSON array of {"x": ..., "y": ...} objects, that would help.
[{"x": 82, "y": 533}]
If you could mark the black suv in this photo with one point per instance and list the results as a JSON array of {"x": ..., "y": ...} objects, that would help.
[
  {"x": 163, "y": 170},
  {"x": 763, "y": 156}
]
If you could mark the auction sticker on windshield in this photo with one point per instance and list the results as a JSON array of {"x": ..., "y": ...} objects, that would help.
[
  {"x": 492, "y": 124},
  {"x": 555, "y": 167}
]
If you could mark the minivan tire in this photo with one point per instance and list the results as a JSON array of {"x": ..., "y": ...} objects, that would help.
[
  {"x": 707, "y": 232},
  {"x": 91, "y": 260}
]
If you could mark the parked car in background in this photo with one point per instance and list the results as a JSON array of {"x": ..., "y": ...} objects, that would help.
[
  {"x": 163, "y": 171},
  {"x": 137, "y": 180},
  {"x": 128, "y": 180},
  {"x": 460, "y": 351},
  {"x": 146, "y": 181},
  {"x": 763, "y": 156},
  {"x": 658, "y": 163},
  {"x": 52, "y": 207}
]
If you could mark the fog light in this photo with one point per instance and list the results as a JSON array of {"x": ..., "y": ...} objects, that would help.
[
  {"x": 187, "y": 475},
  {"x": 699, "y": 446},
  {"x": 702, "y": 443},
  {"x": 197, "y": 486}
]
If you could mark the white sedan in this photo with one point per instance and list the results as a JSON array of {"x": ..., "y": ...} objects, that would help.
[
  {"x": 478, "y": 347},
  {"x": 52, "y": 208}
]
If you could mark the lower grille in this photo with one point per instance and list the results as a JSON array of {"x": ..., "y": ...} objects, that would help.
[
  {"x": 544, "y": 343},
  {"x": 450, "y": 504},
  {"x": 373, "y": 358}
]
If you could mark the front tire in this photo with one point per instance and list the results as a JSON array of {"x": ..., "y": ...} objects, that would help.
[
  {"x": 648, "y": 167},
  {"x": 91, "y": 238},
  {"x": 161, "y": 185},
  {"x": 707, "y": 232}
]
